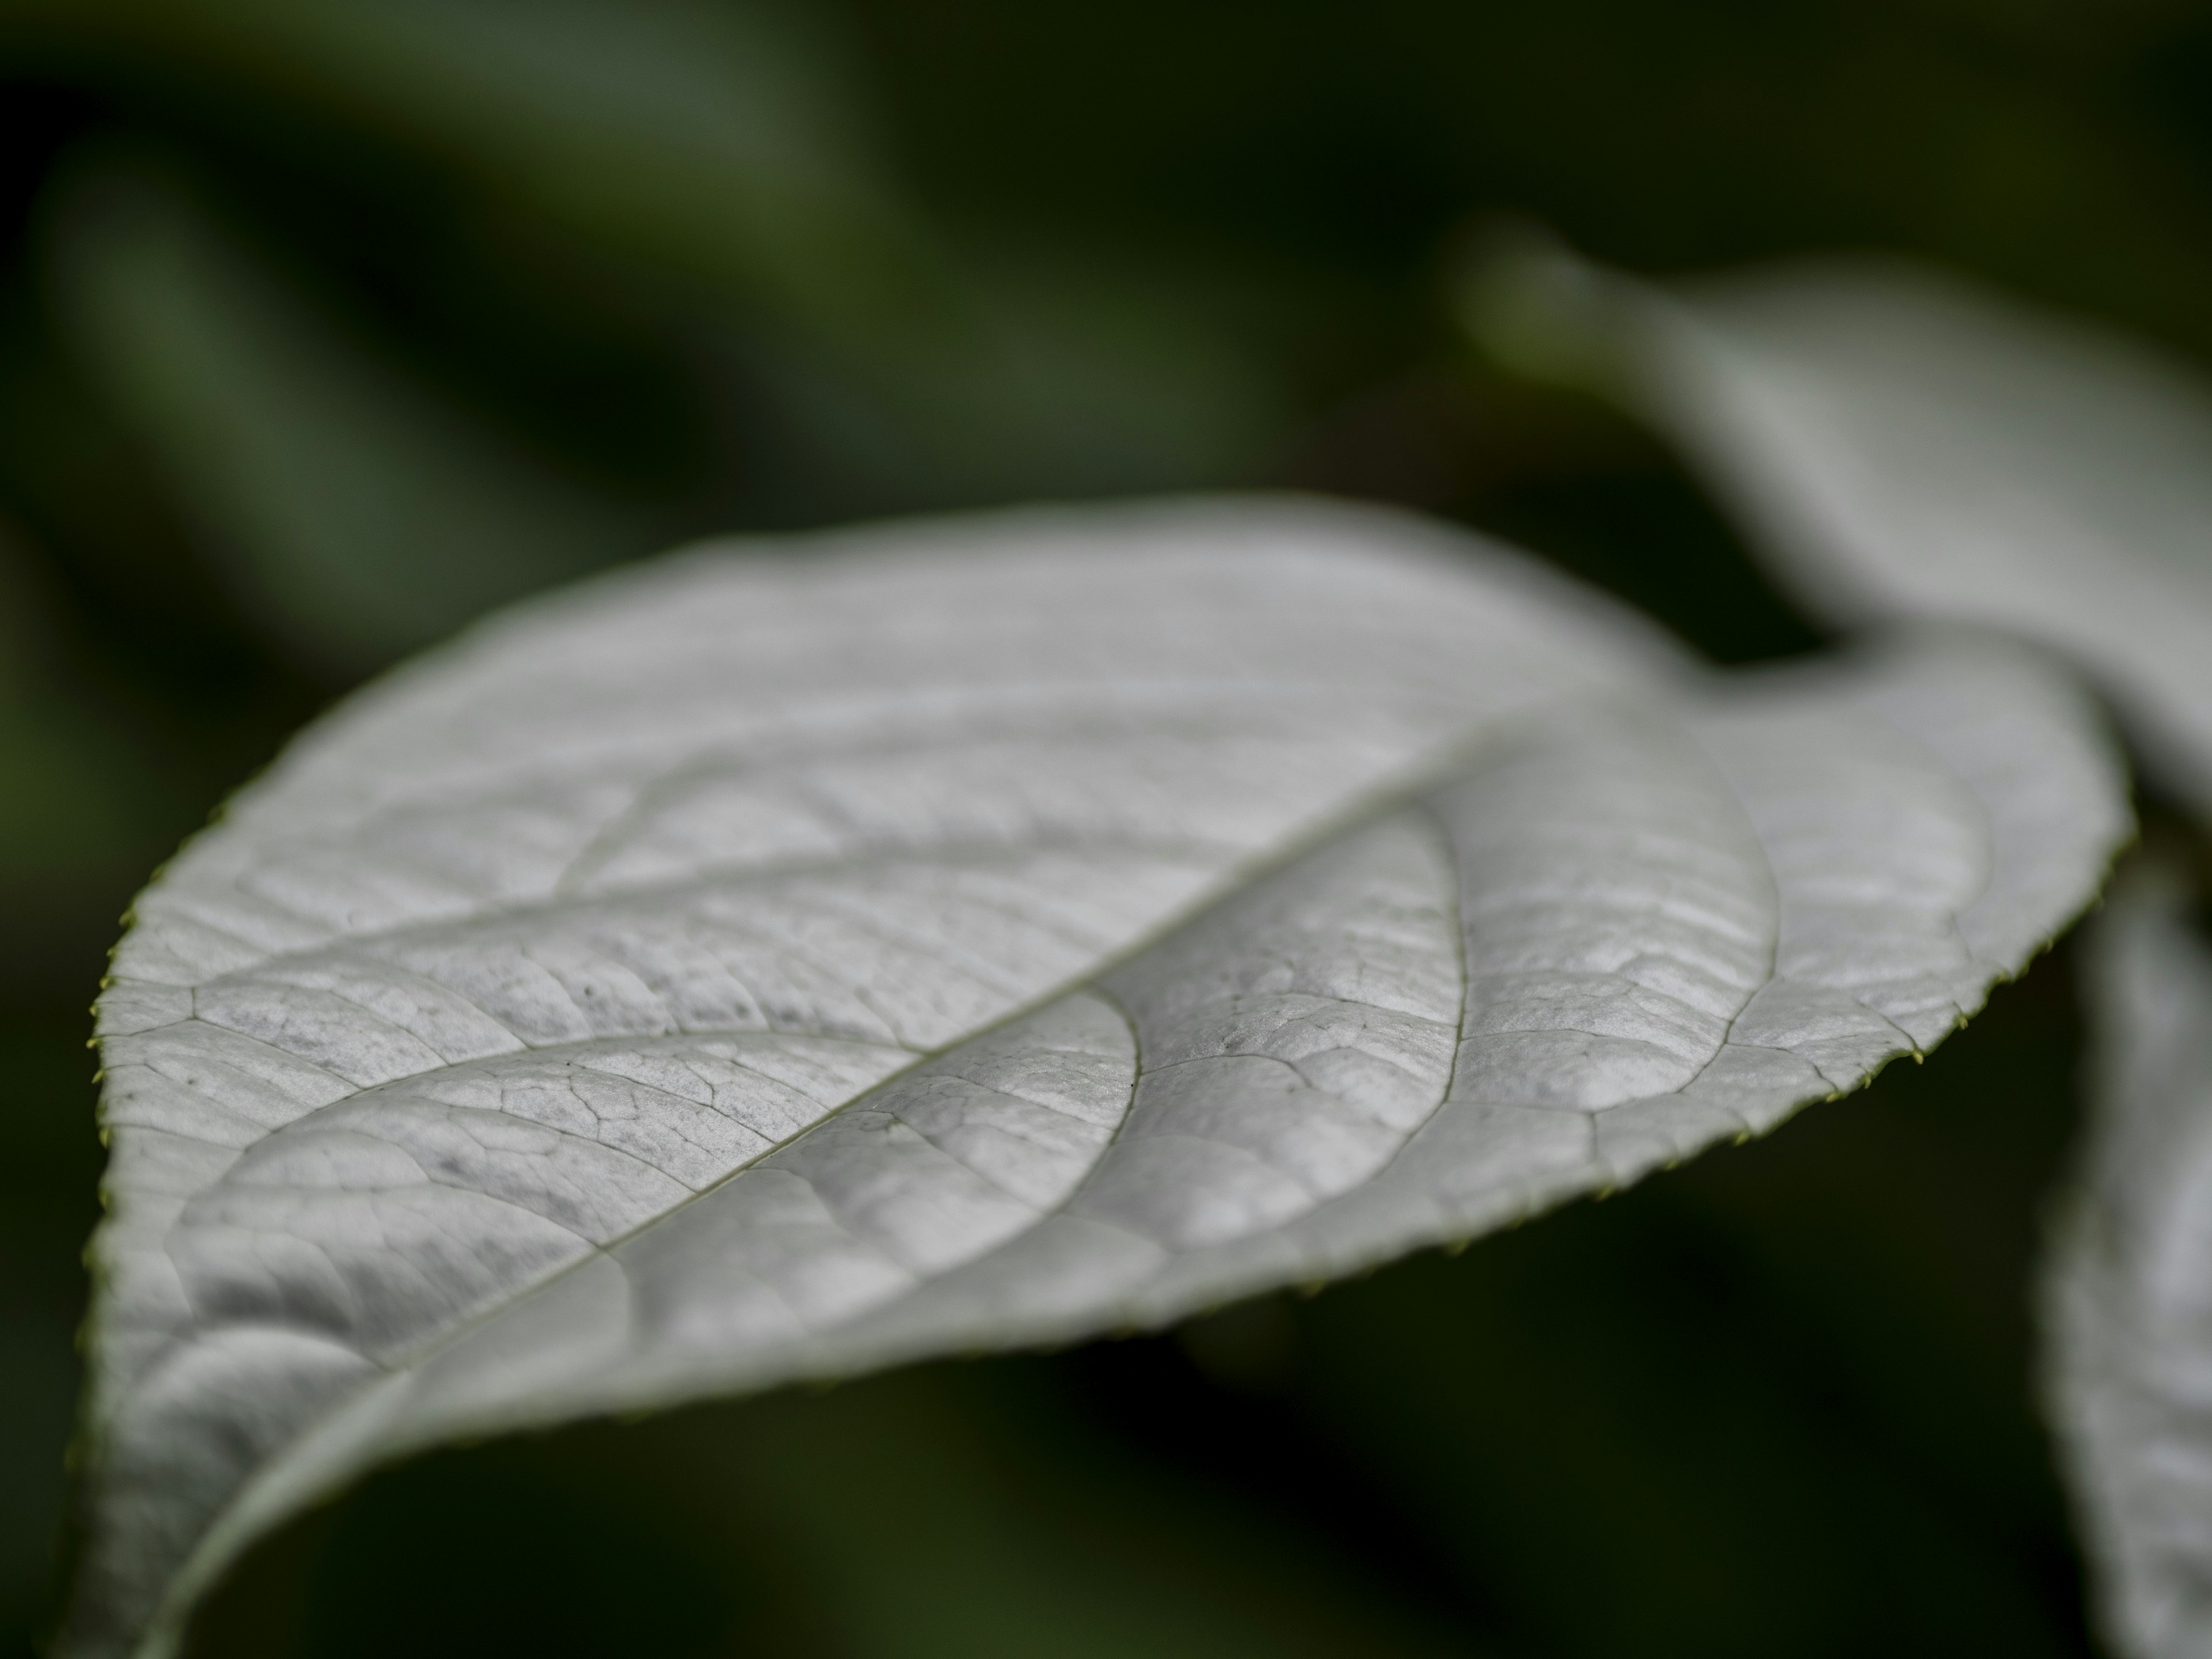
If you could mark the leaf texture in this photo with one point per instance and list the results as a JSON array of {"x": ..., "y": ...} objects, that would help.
[
  {"x": 983, "y": 933},
  {"x": 2128, "y": 1307},
  {"x": 1903, "y": 445}
]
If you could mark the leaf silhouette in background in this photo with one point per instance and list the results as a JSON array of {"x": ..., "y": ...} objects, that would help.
[
  {"x": 2127, "y": 1300},
  {"x": 1899, "y": 443},
  {"x": 699, "y": 179},
  {"x": 356, "y": 512},
  {"x": 82, "y": 814},
  {"x": 986, "y": 933}
]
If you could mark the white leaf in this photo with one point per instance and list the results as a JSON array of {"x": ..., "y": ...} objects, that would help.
[
  {"x": 982, "y": 934},
  {"x": 1902, "y": 444},
  {"x": 2127, "y": 1301}
]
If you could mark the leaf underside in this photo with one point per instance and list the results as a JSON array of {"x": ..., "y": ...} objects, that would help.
[
  {"x": 1902, "y": 444},
  {"x": 985, "y": 933},
  {"x": 2127, "y": 1307}
]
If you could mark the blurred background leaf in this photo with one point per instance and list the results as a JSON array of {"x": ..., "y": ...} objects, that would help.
[
  {"x": 326, "y": 325},
  {"x": 357, "y": 514}
]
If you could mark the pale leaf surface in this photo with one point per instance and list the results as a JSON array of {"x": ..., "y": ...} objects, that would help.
[
  {"x": 355, "y": 511},
  {"x": 1902, "y": 444},
  {"x": 984, "y": 933},
  {"x": 2127, "y": 1302}
]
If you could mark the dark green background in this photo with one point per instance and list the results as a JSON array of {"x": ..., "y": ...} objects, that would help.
[{"x": 326, "y": 324}]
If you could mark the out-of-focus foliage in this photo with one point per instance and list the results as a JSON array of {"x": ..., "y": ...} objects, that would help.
[
  {"x": 1900, "y": 445},
  {"x": 2123, "y": 1300},
  {"x": 324, "y": 324},
  {"x": 697, "y": 797}
]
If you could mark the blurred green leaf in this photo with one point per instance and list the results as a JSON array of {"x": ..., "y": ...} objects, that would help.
[
  {"x": 716, "y": 140},
  {"x": 354, "y": 510},
  {"x": 77, "y": 803},
  {"x": 1069, "y": 375},
  {"x": 702, "y": 248},
  {"x": 1898, "y": 443}
]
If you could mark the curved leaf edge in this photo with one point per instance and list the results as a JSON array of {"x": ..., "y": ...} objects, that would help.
[{"x": 257, "y": 1513}]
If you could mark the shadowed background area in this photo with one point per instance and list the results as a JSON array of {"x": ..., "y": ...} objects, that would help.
[{"x": 326, "y": 325}]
